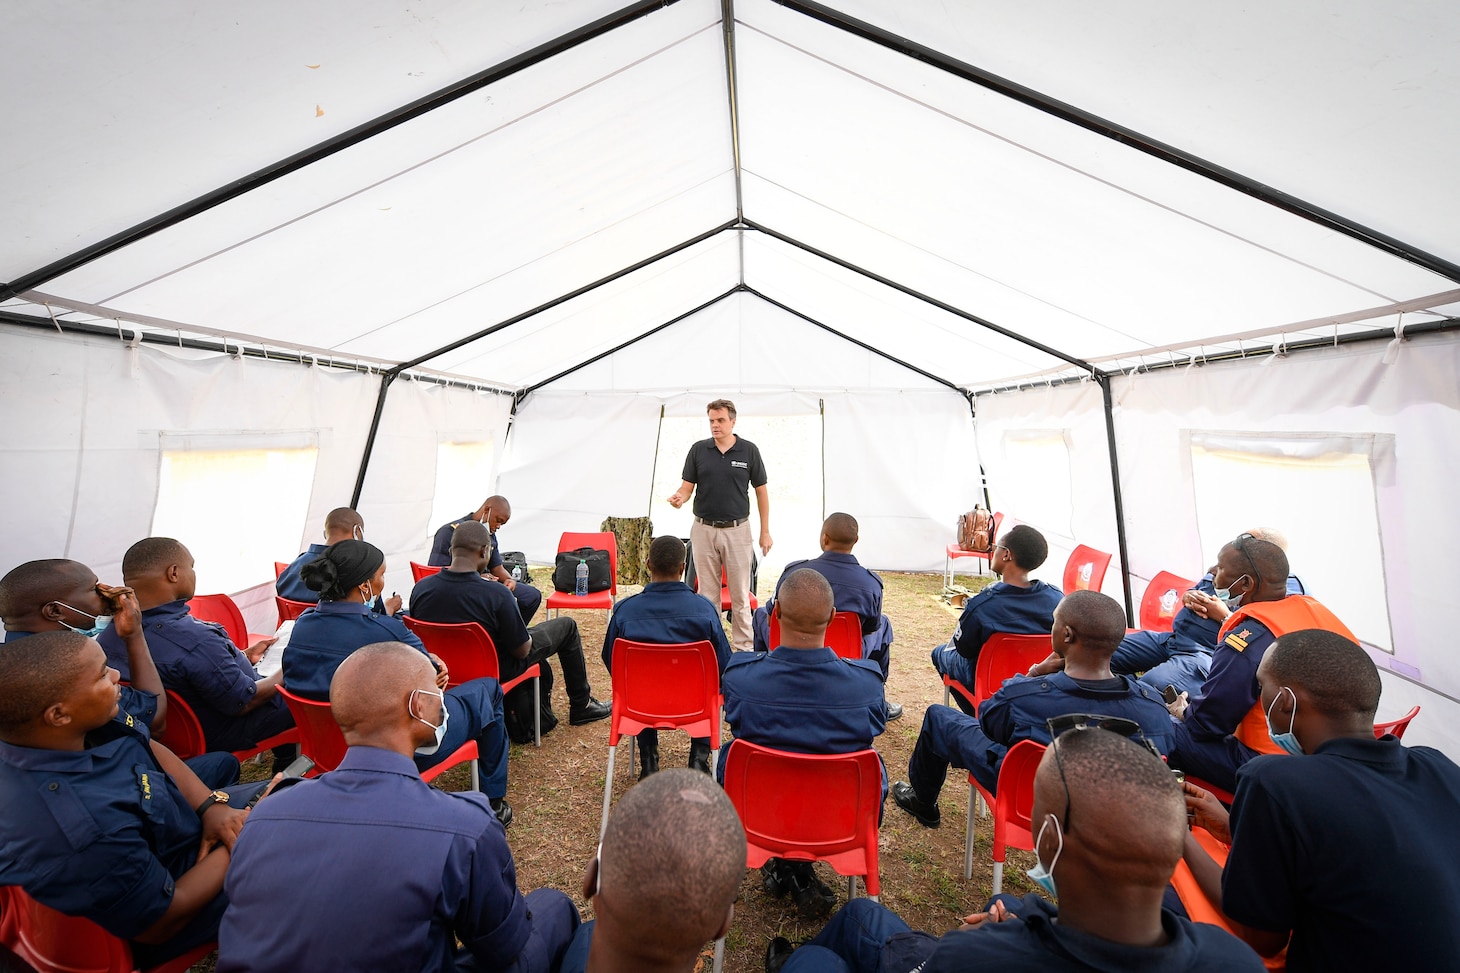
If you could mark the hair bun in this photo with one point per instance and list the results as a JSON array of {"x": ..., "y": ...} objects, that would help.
[{"x": 319, "y": 574}]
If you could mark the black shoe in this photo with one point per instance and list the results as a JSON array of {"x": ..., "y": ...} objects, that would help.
[
  {"x": 927, "y": 815},
  {"x": 814, "y": 898},
  {"x": 777, "y": 951},
  {"x": 503, "y": 810},
  {"x": 774, "y": 878},
  {"x": 894, "y": 711},
  {"x": 649, "y": 758},
  {"x": 699, "y": 757},
  {"x": 589, "y": 711}
]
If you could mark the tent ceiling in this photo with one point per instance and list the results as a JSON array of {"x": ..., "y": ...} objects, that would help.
[{"x": 859, "y": 163}]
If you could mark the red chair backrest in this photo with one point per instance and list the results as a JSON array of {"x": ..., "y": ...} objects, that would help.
[
  {"x": 419, "y": 571},
  {"x": 994, "y": 534},
  {"x": 291, "y": 609},
  {"x": 1014, "y": 808},
  {"x": 665, "y": 687},
  {"x": 807, "y": 806},
  {"x": 222, "y": 610},
  {"x": 598, "y": 540},
  {"x": 843, "y": 635},
  {"x": 1004, "y": 656},
  {"x": 51, "y": 941},
  {"x": 1085, "y": 569},
  {"x": 1396, "y": 727},
  {"x": 465, "y": 647},
  {"x": 320, "y": 738},
  {"x": 279, "y": 568},
  {"x": 1162, "y": 601},
  {"x": 183, "y": 734}
]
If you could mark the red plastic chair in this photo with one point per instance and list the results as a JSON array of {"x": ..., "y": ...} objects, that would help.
[
  {"x": 223, "y": 610},
  {"x": 1012, "y": 808},
  {"x": 1002, "y": 657},
  {"x": 1396, "y": 727},
  {"x": 320, "y": 740},
  {"x": 953, "y": 552},
  {"x": 808, "y": 807},
  {"x": 56, "y": 943},
  {"x": 279, "y": 568},
  {"x": 419, "y": 571},
  {"x": 470, "y": 653},
  {"x": 725, "y": 594},
  {"x": 1162, "y": 601},
  {"x": 843, "y": 635},
  {"x": 183, "y": 734},
  {"x": 291, "y": 609},
  {"x": 661, "y": 687},
  {"x": 600, "y": 540},
  {"x": 1085, "y": 569},
  {"x": 1200, "y": 908}
]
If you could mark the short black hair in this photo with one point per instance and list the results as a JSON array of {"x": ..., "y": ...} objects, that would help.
[
  {"x": 151, "y": 554},
  {"x": 1097, "y": 618},
  {"x": 1337, "y": 673},
  {"x": 27, "y": 587},
  {"x": 1266, "y": 557},
  {"x": 666, "y": 555},
  {"x": 470, "y": 535},
  {"x": 841, "y": 528},
  {"x": 36, "y": 672},
  {"x": 1026, "y": 546}
]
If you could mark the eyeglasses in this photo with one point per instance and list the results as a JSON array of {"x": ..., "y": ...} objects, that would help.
[{"x": 1239, "y": 544}]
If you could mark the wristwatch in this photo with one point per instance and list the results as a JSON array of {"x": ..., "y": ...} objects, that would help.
[{"x": 216, "y": 797}]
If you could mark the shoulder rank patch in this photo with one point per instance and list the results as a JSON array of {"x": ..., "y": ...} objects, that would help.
[
  {"x": 129, "y": 721},
  {"x": 1238, "y": 640}
]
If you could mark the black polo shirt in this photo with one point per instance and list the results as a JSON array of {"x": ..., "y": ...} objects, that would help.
[
  {"x": 1354, "y": 848},
  {"x": 453, "y": 597},
  {"x": 722, "y": 480}
]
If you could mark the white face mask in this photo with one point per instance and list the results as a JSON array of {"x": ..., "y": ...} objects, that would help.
[
  {"x": 1225, "y": 596},
  {"x": 430, "y": 748},
  {"x": 1042, "y": 876},
  {"x": 99, "y": 623}
]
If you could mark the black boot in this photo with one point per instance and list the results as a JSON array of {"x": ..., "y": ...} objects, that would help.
[
  {"x": 649, "y": 758},
  {"x": 699, "y": 756}
]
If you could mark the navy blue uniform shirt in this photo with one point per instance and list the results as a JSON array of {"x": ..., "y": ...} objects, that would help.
[
  {"x": 102, "y": 832},
  {"x": 1005, "y": 608},
  {"x": 464, "y": 596},
  {"x": 326, "y": 634},
  {"x": 1354, "y": 848},
  {"x": 1021, "y": 706},
  {"x": 723, "y": 480},
  {"x": 441, "y": 544},
  {"x": 141, "y": 704},
  {"x": 853, "y": 588},
  {"x": 370, "y": 868},
  {"x": 666, "y": 613}
]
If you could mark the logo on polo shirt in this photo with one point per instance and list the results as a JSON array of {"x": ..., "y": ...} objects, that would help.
[{"x": 739, "y": 465}]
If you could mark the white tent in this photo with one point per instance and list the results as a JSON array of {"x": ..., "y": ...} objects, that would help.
[{"x": 1150, "y": 274}]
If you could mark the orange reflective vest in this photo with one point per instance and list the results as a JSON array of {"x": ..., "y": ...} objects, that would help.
[{"x": 1293, "y": 614}]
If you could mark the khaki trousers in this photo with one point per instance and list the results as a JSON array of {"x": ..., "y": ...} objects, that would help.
[{"x": 728, "y": 548}]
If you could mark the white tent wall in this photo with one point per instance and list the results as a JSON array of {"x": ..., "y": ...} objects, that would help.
[
  {"x": 400, "y": 481},
  {"x": 82, "y": 467}
]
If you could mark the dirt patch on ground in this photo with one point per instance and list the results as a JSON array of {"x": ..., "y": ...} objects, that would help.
[{"x": 557, "y": 792}]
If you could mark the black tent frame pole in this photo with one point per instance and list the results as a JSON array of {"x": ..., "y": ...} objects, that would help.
[
  {"x": 1128, "y": 136},
  {"x": 327, "y": 148},
  {"x": 1105, "y": 398},
  {"x": 386, "y": 379}
]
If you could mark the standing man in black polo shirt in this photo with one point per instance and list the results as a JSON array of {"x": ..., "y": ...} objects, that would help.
[{"x": 724, "y": 467}]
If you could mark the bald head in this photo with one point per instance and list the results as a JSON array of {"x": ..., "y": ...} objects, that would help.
[
  {"x": 671, "y": 864},
  {"x": 26, "y": 589},
  {"x": 1337, "y": 675},
  {"x": 839, "y": 533},
  {"x": 343, "y": 523},
  {"x": 805, "y": 605},
  {"x": 371, "y": 688},
  {"x": 1112, "y": 781}
]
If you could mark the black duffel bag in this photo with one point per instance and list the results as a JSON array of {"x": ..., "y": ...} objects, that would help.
[
  {"x": 515, "y": 563},
  {"x": 565, "y": 570}
]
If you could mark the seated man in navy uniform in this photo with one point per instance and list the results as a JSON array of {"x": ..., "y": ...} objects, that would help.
[
  {"x": 57, "y": 596},
  {"x": 855, "y": 589},
  {"x": 494, "y": 512},
  {"x": 665, "y": 879},
  {"x": 459, "y": 594},
  {"x": 1111, "y": 880},
  {"x": 667, "y": 612},
  {"x": 98, "y": 823},
  {"x": 1016, "y": 604},
  {"x": 1309, "y": 831},
  {"x": 341, "y": 524},
  {"x": 349, "y": 576},
  {"x": 803, "y": 698},
  {"x": 197, "y": 659},
  {"x": 1087, "y": 628},
  {"x": 396, "y": 872}
]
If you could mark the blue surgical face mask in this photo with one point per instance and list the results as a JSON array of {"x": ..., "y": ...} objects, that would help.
[
  {"x": 1225, "y": 596},
  {"x": 1039, "y": 874},
  {"x": 100, "y": 622},
  {"x": 1287, "y": 741},
  {"x": 430, "y": 748}
]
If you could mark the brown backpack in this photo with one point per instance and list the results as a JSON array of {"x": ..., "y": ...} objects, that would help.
[{"x": 976, "y": 530}]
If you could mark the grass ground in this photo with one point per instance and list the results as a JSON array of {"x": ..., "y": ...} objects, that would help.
[{"x": 557, "y": 792}]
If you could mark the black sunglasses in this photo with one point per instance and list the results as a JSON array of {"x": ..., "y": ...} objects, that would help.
[{"x": 1239, "y": 544}]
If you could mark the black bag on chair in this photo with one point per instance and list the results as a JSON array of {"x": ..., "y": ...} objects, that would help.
[
  {"x": 515, "y": 563},
  {"x": 565, "y": 570}
]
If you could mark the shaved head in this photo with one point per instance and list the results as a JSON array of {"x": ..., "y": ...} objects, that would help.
[
  {"x": 804, "y": 603},
  {"x": 840, "y": 529},
  {"x": 1112, "y": 781},
  {"x": 369, "y": 691},
  {"x": 1097, "y": 620},
  {"x": 499, "y": 503},
  {"x": 34, "y": 584},
  {"x": 671, "y": 864},
  {"x": 342, "y": 520},
  {"x": 1338, "y": 675},
  {"x": 38, "y": 672},
  {"x": 470, "y": 536},
  {"x": 152, "y": 555}
]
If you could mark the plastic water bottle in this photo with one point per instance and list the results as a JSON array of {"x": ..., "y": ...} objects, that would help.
[
  {"x": 580, "y": 585},
  {"x": 516, "y": 572}
]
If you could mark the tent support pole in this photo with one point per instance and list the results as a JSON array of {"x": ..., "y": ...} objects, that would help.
[
  {"x": 327, "y": 148},
  {"x": 1104, "y": 379},
  {"x": 386, "y": 378},
  {"x": 727, "y": 16},
  {"x": 1127, "y": 136}
]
